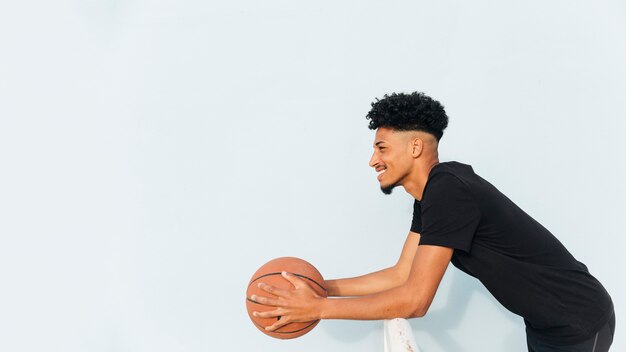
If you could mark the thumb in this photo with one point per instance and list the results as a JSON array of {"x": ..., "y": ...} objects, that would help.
[{"x": 294, "y": 279}]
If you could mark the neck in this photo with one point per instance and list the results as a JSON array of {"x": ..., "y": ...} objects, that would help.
[{"x": 415, "y": 186}]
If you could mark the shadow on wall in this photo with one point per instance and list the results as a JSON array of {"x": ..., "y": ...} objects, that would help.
[
  {"x": 442, "y": 321},
  {"x": 439, "y": 322}
]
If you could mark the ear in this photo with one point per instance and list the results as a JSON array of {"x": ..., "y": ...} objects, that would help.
[{"x": 417, "y": 147}]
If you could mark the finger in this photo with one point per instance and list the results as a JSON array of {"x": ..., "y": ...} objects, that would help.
[
  {"x": 267, "y": 301},
  {"x": 273, "y": 290},
  {"x": 269, "y": 314},
  {"x": 279, "y": 324},
  {"x": 295, "y": 280}
]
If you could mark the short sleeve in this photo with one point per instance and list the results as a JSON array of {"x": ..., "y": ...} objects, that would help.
[
  {"x": 416, "y": 224},
  {"x": 450, "y": 216}
]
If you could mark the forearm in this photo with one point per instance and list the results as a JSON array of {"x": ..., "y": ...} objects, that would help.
[
  {"x": 379, "y": 281},
  {"x": 397, "y": 302},
  {"x": 366, "y": 284},
  {"x": 410, "y": 299}
]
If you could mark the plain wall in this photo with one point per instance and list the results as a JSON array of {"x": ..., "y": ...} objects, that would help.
[{"x": 155, "y": 153}]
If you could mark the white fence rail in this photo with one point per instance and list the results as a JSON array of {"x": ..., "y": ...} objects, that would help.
[{"x": 399, "y": 336}]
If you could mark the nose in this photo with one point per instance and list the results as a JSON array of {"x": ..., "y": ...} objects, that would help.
[{"x": 374, "y": 159}]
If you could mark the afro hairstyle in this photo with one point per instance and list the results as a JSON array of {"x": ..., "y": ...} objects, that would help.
[{"x": 408, "y": 112}]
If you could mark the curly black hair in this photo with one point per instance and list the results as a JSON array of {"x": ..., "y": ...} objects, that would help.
[{"x": 408, "y": 112}]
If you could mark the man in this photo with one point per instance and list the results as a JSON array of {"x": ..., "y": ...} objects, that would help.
[{"x": 457, "y": 217}]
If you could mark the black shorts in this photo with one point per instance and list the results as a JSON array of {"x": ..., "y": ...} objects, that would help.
[{"x": 599, "y": 342}]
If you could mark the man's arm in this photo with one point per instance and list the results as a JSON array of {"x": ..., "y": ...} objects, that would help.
[
  {"x": 411, "y": 299},
  {"x": 381, "y": 280}
]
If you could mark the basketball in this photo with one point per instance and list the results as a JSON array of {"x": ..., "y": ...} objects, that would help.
[{"x": 270, "y": 273}]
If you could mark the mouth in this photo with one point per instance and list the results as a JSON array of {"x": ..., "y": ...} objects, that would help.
[{"x": 381, "y": 172}]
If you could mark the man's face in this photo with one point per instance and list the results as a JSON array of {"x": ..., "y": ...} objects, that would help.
[{"x": 392, "y": 158}]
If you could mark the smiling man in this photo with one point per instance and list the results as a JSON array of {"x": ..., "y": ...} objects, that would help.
[{"x": 458, "y": 217}]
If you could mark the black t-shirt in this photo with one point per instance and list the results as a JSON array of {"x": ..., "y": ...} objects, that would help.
[{"x": 519, "y": 261}]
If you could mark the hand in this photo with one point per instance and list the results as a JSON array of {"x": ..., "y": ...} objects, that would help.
[{"x": 301, "y": 304}]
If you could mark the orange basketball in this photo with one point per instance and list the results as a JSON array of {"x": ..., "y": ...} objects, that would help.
[{"x": 270, "y": 273}]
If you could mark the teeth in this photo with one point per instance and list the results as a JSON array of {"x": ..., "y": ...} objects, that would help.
[{"x": 382, "y": 171}]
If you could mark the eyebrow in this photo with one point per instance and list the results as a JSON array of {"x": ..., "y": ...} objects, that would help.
[{"x": 379, "y": 142}]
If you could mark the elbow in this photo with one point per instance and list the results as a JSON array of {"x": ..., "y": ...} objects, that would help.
[
  {"x": 415, "y": 301},
  {"x": 418, "y": 312},
  {"x": 416, "y": 308}
]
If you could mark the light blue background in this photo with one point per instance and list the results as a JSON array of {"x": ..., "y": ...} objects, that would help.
[{"x": 154, "y": 153}]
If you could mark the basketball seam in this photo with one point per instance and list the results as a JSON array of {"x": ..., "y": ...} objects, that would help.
[
  {"x": 298, "y": 275},
  {"x": 285, "y": 332}
]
